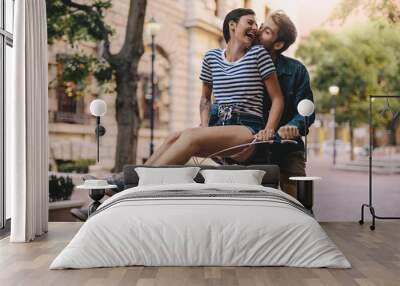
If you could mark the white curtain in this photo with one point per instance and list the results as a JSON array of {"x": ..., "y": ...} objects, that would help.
[{"x": 27, "y": 151}]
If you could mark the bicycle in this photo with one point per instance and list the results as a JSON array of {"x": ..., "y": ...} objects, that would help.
[{"x": 221, "y": 160}]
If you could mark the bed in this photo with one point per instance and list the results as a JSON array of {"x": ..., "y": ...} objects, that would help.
[{"x": 197, "y": 224}]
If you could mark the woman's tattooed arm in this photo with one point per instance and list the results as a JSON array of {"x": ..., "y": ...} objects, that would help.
[{"x": 205, "y": 104}]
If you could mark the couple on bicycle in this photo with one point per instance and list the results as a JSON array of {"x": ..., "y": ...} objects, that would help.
[{"x": 256, "y": 90}]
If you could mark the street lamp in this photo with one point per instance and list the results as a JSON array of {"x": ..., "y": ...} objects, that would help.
[
  {"x": 334, "y": 90},
  {"x": 152, "y": 28}
]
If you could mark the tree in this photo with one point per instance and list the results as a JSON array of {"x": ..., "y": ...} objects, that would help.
[
  {"x": 361, "y": 61},
  {"x": 77, "y": 22},
  {"x": 376, "y": 9}
]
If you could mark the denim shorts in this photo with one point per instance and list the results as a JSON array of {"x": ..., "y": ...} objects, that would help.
[{"x": 252, "y": 122}]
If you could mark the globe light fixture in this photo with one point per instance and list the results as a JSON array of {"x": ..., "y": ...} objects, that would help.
[
  {"x": 98, "y": 108},
  {"x": 305, "y": 108},
  {"x": 153, "y": 27},
  {"x": 334, "y": 90}
]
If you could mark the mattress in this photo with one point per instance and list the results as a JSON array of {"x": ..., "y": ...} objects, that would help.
[{"x": 201, "y": 225}]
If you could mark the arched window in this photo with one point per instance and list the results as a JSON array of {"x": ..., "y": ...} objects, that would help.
[
  {"x": 70, "y": 105},
  {"x": 161, "y": 93}
]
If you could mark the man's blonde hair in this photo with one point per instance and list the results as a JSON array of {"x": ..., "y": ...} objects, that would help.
[{"x": 287, "y": 30}]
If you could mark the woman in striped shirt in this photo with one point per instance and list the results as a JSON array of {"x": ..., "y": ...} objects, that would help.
[{"x": 237, "y": 77}]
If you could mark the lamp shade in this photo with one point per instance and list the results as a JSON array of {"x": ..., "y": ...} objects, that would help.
[
  {"x": 98, "y": 107},
  {"x": 153, "y": 27},
  {"x": 305, "y": 107}
]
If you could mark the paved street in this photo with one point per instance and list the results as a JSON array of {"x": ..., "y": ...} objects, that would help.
[{"x": 339, "y": 195}]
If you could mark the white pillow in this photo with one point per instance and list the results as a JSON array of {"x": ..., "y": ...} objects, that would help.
[
  {"x": 248, "y": 177},
  {"x": 163, "y": 176}
]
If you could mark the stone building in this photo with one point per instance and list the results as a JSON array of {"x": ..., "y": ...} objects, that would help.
[{"x": 189, "y": 28}]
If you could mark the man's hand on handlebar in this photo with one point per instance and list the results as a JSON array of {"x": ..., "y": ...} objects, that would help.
[{"x": 289, "y": 132}]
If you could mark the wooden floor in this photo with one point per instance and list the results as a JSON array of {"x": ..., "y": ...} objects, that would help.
[{"x": 375, "y": 257}]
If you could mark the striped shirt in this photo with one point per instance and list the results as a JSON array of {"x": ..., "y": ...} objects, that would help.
[{"x": 240, "y": 83}]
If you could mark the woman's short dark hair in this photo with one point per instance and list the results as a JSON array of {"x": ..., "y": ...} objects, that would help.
[{"x": 235, "y": 16}]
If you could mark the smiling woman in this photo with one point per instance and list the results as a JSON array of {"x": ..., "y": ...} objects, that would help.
[{"x": 236, "y": 76}]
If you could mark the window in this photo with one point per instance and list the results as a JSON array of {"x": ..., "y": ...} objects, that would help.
[
  {"x": 9, "y": 12},
  {"x": 70, "y": 109},
  {"x": 6, "y": 44},
  {"x": 145, "y": 104},
  {"x": 70, "y": 106},
  {"x": 216, "y": 11},
  {"x": 161, "y": 91}
]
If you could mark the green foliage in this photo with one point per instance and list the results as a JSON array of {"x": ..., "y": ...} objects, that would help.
[
  {"x": 102, "y": 71},
  {"x": 78, "y": 67},
  {"x": 320, "y": 44},
  {"x": 386, "y": 112},
  {"x": 60, "y": 188},
  {"x": 362, "y": 61},
  {"x": 77, "y": 22},
  {"x": 77, "y": 166},
  {"x": 376, "y": 9}
]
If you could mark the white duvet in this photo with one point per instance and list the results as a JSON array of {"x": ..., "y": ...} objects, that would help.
[{"x": 200, "y": 231}]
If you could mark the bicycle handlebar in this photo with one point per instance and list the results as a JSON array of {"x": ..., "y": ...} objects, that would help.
[{"x": 275, "y": 140}]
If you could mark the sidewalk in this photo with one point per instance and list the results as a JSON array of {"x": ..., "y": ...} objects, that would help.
[{"x": 340, "y": 194}]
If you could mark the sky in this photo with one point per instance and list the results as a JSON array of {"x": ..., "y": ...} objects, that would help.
[
  {"x": 309, "y": 15},
  {"x": 313, "y": 13}
]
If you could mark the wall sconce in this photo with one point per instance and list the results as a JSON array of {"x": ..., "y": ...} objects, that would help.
[
  {"x": 305, "y": 108},
  {"x": 98, "y": 108}
]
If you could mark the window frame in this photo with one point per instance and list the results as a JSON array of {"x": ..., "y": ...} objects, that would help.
[{"x": 6, "y": 39}]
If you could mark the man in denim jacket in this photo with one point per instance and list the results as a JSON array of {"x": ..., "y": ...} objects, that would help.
[{"x": 276, "y": 35}]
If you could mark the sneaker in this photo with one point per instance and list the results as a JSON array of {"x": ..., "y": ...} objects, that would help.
[
  {"x": 80, "y": 214},
  {"x": 110, "y": 192}
]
